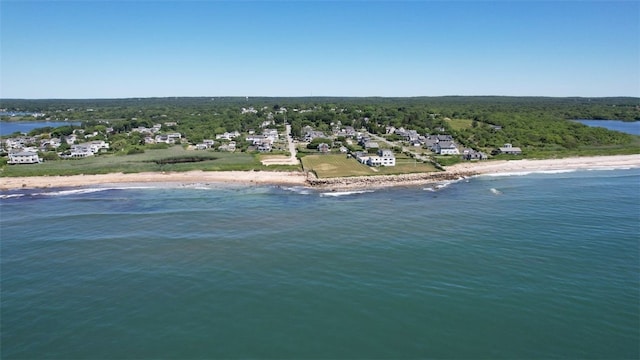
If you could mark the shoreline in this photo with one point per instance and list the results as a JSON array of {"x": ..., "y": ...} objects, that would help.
[{"x": 454, "y": 172}]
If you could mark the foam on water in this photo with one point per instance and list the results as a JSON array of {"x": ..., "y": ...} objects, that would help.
[
  {"x": 71, "y": 192},
  {"x": 525, "y": 173},
  {"x": 345, "y": 193},
  {"x": 609, "y": 168},
  {"x": 9, "y": 196},
  {"x": 444, "y": 184},
  {"x": 298, "y": 190}
]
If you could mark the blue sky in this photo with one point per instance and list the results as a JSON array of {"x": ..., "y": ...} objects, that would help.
[{"x": 116, "y": 49}]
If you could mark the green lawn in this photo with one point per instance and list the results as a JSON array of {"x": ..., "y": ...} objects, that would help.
[
  {"x": 406, "y": 166},
  {"x": 328, "y": 166},
  {"x": 460, "y": 124}
]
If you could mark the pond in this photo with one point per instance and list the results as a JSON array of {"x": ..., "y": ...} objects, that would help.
[
  {"x": 8, "y": 128},
  {"x": 629, "y": 127}
]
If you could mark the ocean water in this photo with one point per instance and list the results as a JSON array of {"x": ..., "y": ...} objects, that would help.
[{"x": 524, "y": 266}]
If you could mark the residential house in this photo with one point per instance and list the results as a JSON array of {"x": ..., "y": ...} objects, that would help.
[
  {"x": 510, "y": 150},
  {"x": 323, "y": 148},
  {"x": 79, "y": 151},
  {"x": 430, "y": 141},
  {"x": 228, "y": 135},
  {"x": 208, "y": 142},
  {"x": 384, "y": 158},
  {"x": 175, "y": 136},
  {"x": 310, "y": 134},
  {"x": 371, "y": 145},
  {"x": 446, "y": 148},
  {"x": 264, "y": 146},
  {"x": 97, "y": 146},
  {"x": 362, "y": 157},
  {"x": 470, "y": 154},
  {"x": 231, "y": 146},
  {"x": 205, "y": 144},
  {"x": 164, "y": 139},
  {"x": 271, "y": 134},
  {"x": 250, "y": 110},
  {"x": 24, "y": 157}
]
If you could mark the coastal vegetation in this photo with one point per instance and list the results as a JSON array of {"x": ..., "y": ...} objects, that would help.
[{"x": 175, "y": 158}]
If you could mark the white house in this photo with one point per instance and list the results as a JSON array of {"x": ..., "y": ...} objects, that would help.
[
  {"x": 264, "y": 146},
  {"x": 24, "y": 157},
  {"x": 97, "y": 146},
  {"x": 387, "y": 156},
  {"x": 272, "y": 134},
  {"x": 174, "y": 136},
  {"x": 384, "y": 158},
  {"x": 228, "y": 135},
  {"x": 446, "y": 148},
  {"x": 80, "y": 151}
]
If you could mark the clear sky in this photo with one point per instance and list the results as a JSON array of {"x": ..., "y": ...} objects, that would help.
[{"x": 116, "y": 49}]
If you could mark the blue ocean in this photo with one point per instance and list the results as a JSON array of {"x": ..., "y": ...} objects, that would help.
[{"x": 539, "y": 265}]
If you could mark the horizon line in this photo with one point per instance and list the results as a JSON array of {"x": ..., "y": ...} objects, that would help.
[{"x": 318, "y": 96}]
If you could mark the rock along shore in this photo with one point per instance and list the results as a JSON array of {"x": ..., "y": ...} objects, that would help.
[{"x": 378, "y": 181}]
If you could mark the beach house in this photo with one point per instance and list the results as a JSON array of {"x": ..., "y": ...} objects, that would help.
[
  {"x": 446, "y": 147},
  {"x": 24, "y": 157},
  {"x": 510, "y": 150}
]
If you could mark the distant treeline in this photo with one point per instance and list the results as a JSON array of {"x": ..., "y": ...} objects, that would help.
[{"x": 619, "y": 108}]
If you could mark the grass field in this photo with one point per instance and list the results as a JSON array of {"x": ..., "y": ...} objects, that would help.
[
  {"x": 460, "y": 124},
  {"x": 406, "y": 165},
  {"x": 328, "y": 166},
  {"x": 173, "y": 159}
]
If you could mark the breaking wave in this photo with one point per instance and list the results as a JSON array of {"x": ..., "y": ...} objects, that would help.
[
  {"x": 345, "y": 193},
  {"x": 524, "y": 173}
]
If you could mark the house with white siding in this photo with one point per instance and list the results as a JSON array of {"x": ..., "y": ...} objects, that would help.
[
  {"x": 24, "y": 157},
  {"x": 446, "y": 148}
]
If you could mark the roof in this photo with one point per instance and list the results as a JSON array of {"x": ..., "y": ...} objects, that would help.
[
  {"x": 446, "y": 145},
  {"x": 510, "y": 149}
]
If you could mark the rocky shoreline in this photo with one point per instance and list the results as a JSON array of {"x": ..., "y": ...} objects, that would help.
[
  {"x": 298, "y": 178},
  {"x": 378, "y": 181}
]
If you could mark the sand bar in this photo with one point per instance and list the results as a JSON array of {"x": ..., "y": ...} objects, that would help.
[{"x": 300, "y": 179}]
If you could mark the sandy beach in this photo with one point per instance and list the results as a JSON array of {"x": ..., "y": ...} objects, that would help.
[
  {"x": 300, "y": 179},
  {"x": 525, "y": 165},
  {"x": 226, "y": 177}
]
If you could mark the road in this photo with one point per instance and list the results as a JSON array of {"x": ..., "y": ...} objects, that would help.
[{"x": 291, "y": 160}]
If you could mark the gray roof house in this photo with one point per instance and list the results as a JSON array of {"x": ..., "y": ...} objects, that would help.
[{"x": 511, "y": 150}]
